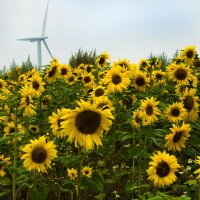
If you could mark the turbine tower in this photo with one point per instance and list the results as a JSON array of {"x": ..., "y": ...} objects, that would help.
[{"x": 40, "y": 39}]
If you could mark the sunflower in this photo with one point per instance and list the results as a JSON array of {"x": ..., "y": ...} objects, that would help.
[
  {"x": 36, "y": 83},
  {"x": 98, "y": 91},
  {"x": 72, "y": 173},
  {"x": 85, "y": 125},
  {"x": 128, "y": 101},
  {"x": 158, "y": 77},
  {"x": 149, "y": 111},
  {"x": 33, "y": 129},
  {"x": 39, "y": 154},
  {"x": 87, "y": 171},
  {"x": 3, "y": 84},
  {"x": 27, "y": 106},
  {"x": 103, "y": 103},
  {"x": 140, "y": 81},
  {"x": 180, "y": 74},
  {"x": 162, "y": 169},
  {"x": 45, "y": 102},
  {"x": 190, "y": 103},
  {"x": 4, "y": 161},
  {"x": 51, "y": 72},
  {"x": 188, "y": 54},
  {"x": 116, "y": 80},
  {"x": 102, "y": 59},
  {"x": 64, "y": 71},
  {"x": 10, "y": 129},
  {"x": 55, "y": 120},
  {"x": 88, "y": 80},
  {"x": 143, "y": 64},
  {"x": 176, "y": 112},
  {"x": 176, "y": 139},
  {"x": 136, "y": 120}
]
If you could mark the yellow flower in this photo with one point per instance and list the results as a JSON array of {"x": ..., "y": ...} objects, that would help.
[
  {"x": 188, "y": 54},
  {"x": 176, "y": 139},
  {"x": 87, "y": 171},
  {"x": 39, "y": 154},
  {"x": 72, "y": 173},
  {"x": 162, "y": 169},
  {"x": 4, "y": 161}
]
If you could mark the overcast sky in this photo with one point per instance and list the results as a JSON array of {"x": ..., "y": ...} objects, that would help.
[{"x": 129, "y": 29}]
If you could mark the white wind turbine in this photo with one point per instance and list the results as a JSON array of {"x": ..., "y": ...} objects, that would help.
[{"x": 40, "y": 39}]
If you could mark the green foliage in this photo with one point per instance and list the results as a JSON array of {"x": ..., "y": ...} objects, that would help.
[{"x": 81, "y": 56}]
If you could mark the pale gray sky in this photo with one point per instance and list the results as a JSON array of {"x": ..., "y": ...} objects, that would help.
[{"x": 129, "y": 29}]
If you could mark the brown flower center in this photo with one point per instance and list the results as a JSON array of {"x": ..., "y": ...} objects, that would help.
[
  {"x": 87, "y": 79},
  {"x": 189, "y": 54},
  {"x": 35, "y": 85},
  {"x": 162, "y": 169},
  {"x": 140, "y": 81},
  {"x": 116, "y": 79},
  {"x": 101, "y": 60},
  {"x": 188, "y": 103},
  {"x": 177, "y": 136},
  {"x": 87, "y": 122},
  {"x": 180, "y": 74},
  {"x": 27, "y": 100},
  {"x": 39, "y": 155},
  {"x": 149, "y": 110},
  {"x": 63, "y": 71},
  {"x": 52, "y": 72},
  {"x": 99, "y": 92},
  {"x": 175, "y": 112}
]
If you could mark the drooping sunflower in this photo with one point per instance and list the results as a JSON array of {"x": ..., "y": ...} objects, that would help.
[
  {"x": 136, "y": 120},
  {"x": 27, "y": 106},
  {"x": 181, "y": 74},
  {"x": 158, "y": 77},
  {"x": 116, "y": 80},
  {"x": 162, "y": 169},
  {"x": 149, "y": 111},
  {"x": 188, "y": 54},
  {"x": 72, "y": 173},
  {"x": 140, "y": 81},
  {"x": 102, "y": 59},
  {"x": 178, "y": 136},
  {"x": 4, "y": 161},
  {"x": 10, "y": 128},
  {"x": 103, "y": 103},
  {"x": 39, "y": 154},
  {"x": 143, "y": 64},
  {"x": 37, "y": 84},
  {"x": 85, "y": 125},
  {"x": 176, "y": 112},
  {"x": 128, "y": 101},
  {"x": 87, "y": 171},
  {"x": 51, "y": 73},
  {"x": 45, "y": 101},
  {"x": 55, "y": 120},
  {"x": 190, "y": 102}
]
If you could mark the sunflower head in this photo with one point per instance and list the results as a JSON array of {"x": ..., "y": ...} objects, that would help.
[
  {"x": 72, "y": 173},
  {"x": 87, "y": 171}
]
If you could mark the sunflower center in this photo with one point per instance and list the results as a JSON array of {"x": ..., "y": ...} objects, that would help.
[
  {"x": 162, "y": 169},
  {"x": 158, "y": 76},
  {"x": 1, "y": 85},
  {"x": 177, "y": 136},
  {"x": 101, "y": 60},
  {"x": 137, "y": 119},
  {"x": 116, "y": 79},
  {"x": 86, "y": 172},
  {"x": 87, "y": 79},
  {"x": 12, "y": 130},
  {"x": 27, "y": 100},
  {"x": 52, "y": 72},
  {"x": 140, "y": 81},
  {"x": 33, "y": 129},
  {"x": 71, "y": 79},
  {"x": 189, "y": 54},
  {"x": 180, "y": 74},
  {"x": 188, "y": 102},
  {"x": 39, "y": 155},
  {"x": 88, "y": 69},
  {"x": 149, "y": 110},
  {"x": 175, "y": 112},
  {"x": 88, "y": 121},
  {"x": 99, "y": 92},
  {"x": 63, "y": 71},
  {"x": 35, "y": 85}
]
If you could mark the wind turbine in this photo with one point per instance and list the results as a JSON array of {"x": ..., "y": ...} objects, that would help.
[{"x": 40, "y": 39}]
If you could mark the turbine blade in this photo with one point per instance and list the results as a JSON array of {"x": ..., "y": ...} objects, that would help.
[
  {"x": 45, "y": 43},
  {"x": 45, "y": 19}
]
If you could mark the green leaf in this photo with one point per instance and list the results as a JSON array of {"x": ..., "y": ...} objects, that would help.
[
  {"x": 5, "y": 181},
  {"x": 39, "y": 194},
  {"x": 191, "y": 182}
]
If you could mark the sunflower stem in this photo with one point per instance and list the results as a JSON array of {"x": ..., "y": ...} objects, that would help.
[{"x": 79, "y": 175}]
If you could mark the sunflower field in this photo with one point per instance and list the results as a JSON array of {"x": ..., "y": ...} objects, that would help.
[{"x": 109, "y": 130}]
